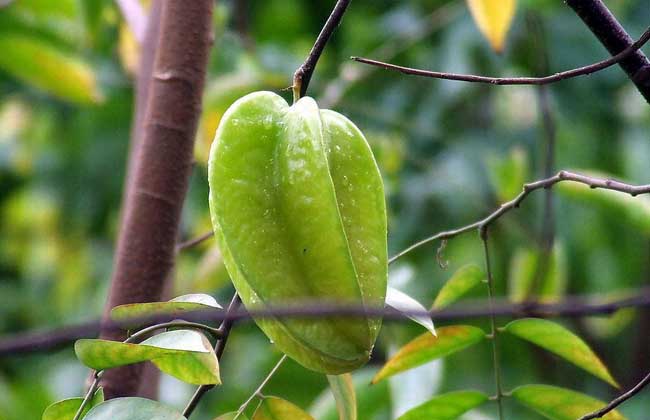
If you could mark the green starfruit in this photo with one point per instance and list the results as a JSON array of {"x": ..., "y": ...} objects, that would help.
[{"x": 298, "y": 208}]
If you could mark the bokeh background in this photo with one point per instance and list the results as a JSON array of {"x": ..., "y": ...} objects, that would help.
[{"x": 449, "y": 152}]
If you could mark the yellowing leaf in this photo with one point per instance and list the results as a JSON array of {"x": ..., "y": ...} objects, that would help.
[
  {"x": 426, "y": 347},
  {"x": 557, "y": 339},
  {"x": 446, "y": 406},
  {"x": 493, "y": 18},
  {"x": 274, "y": 408},
  {"x": 184, "y": 354},
  {"x": 560, "y": 404},
  {"x": 42, "y": 65},
  {"x": 460, "y": 283},
  {"x": 345, "y": 396}
]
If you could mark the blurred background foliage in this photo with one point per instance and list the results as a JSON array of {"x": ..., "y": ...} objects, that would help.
[{"x": 449, "y": 153}]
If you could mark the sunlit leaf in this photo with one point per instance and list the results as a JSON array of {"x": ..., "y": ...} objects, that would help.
[
  {"x": 132, "y": 408},
  {"x": 176, "y": 306},
  {"x": 232, "y": 416},
  {"x": 463, "y": 280},
  {"x": 493, "y": 18},
  {"x": 557, "y": 339},
  {"x": 402, "y": 302},
  {"x": 274, "y": 408},
  {"x": 560, "y": 404},
  {"x": 67, "y": 409},
  {"x": 42, "y": 65},
  {"x": 427, "y": 347},
  {"x": 184, "y": 354},
  {"x": 446, "y": 406},
  {"x": 345, "y": 396}
]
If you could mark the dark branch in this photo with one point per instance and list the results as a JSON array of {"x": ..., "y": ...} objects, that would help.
[
  {"x": 302, "y": 76},
  {"x": 562, "y": 176},
  {"x": 582, "y": 71},
  {"x": 603, "y": 24},
  {"x": 618, "y": 401},
  {"x": 194, "y": 242},
  {"x": 570, "y": 307}
]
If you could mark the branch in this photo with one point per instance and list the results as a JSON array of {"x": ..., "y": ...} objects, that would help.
[
  {"x": 302, "y": 76},
  {"x": 570, "y": 307},
  {"x": 145, "y": 251},
  {"x": 562, "y": 176},
  {"x": 569, "y": 74},
  {"x": 618, "y": 401},
  {"x": 135, "y": 18},
  {"x": 191, "y": 243},
  {"x": 612, "y": 35}
]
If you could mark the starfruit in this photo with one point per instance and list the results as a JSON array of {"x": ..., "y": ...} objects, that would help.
[{"x": 297, "y": 205}]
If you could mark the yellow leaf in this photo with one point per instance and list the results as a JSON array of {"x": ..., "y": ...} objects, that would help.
[{"x": 493, "y": 18}]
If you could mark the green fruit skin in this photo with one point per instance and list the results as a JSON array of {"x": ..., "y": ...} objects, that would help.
[{"x": 297, "y": 205}]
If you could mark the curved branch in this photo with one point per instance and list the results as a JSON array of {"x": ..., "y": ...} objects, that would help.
[
  {"x": 569, "y": 74},
  {"x": 618, "y": 401}
]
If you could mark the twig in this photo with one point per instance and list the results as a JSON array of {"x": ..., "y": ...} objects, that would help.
[
  {"x": 224, "y": 331},
  {"x": 260, "y": 388},
  {"x": 618, "y": 401},
  {"x": 493, "y": 325},
  {"x": 135, "y": 17},
  {"x": 581, "y": 71},
  {"x": 194, "y": 242},
  {"x": 603, "y": 24},
  {"x": 607, "y": 184},
  {"x": 571, "y": 307},
  {"x": 302, "y": 76}
]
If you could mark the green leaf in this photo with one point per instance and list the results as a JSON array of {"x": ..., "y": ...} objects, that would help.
[
  {"x": 345, "y": 396},
  {"x": 66, "y": 409},
  {"x": 176, "y": 306},
  {"x": 402, "y": 302},
  {"x": 560, "y": 404},
  {"x": 427, "y": 347},
  {"x": 554, "y": 283},
  {"x": 508, "y": 173},
  {"x": 232, "y": 416},
  {"x": 460, "y": 283},
  {"x": 446, "y": 406},
  {"x": 183, "y": 354},
  {"x": 42, "y": 65},
  {"x": 633, "y": 210},
  {"x": 274, "y": 408},
  {"x": 523, "y": 267},
  {"x": 557, "y": 339},
  {"x": 132, "y": 408}
]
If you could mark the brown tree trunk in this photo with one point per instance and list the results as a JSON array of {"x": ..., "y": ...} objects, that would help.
[{"x": 160, "y": 173}]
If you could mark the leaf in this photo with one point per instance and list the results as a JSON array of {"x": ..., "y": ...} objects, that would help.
[
  {"x": 67, "y": 409},
  {"x": 183, "y": 354},
  {"x": 231, "y": 416},
  {"x": 446, "y": 406},
  {"x": 508, "y": 173},
  {"x": 460, "y": 283},
  {"x": 493, "y": 18},
  {"x": 523, "y": 267},
  {"x": 132, "y": 408},
  {"x": 402, "y": 302},
  {"x": 557, "y": 339},
  {"x": 345, "y": 396},
  {"x": 274, "y": 408},
  {"x": 425, "y": 348},
  {"x": 176, "y": 306},
  {"x": 554, "y": 283},
  {"x": 42, "y": 65},
  {"x": 560, "y": 404}
]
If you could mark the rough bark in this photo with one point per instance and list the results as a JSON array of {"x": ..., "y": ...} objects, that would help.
[
  {"x": 160, "y": 173},
  {"x": 603, "y": 24}
]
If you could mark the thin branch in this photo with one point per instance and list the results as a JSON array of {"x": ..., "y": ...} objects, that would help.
[
  {"x": 570, "y": 307},
  {"x": 582, "y": 71},
  {"x": 603, "y": 24},
  {"x": 259, "y": 389},
  {"x": 618, "y": 401},
  {"x": 562, "y": 176},
  {"x": 135, "y": 17},
  {"x": 194, "y": 242},
  {"x": 224, "y": 331},
  {"x": 302, "y": 76}
]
